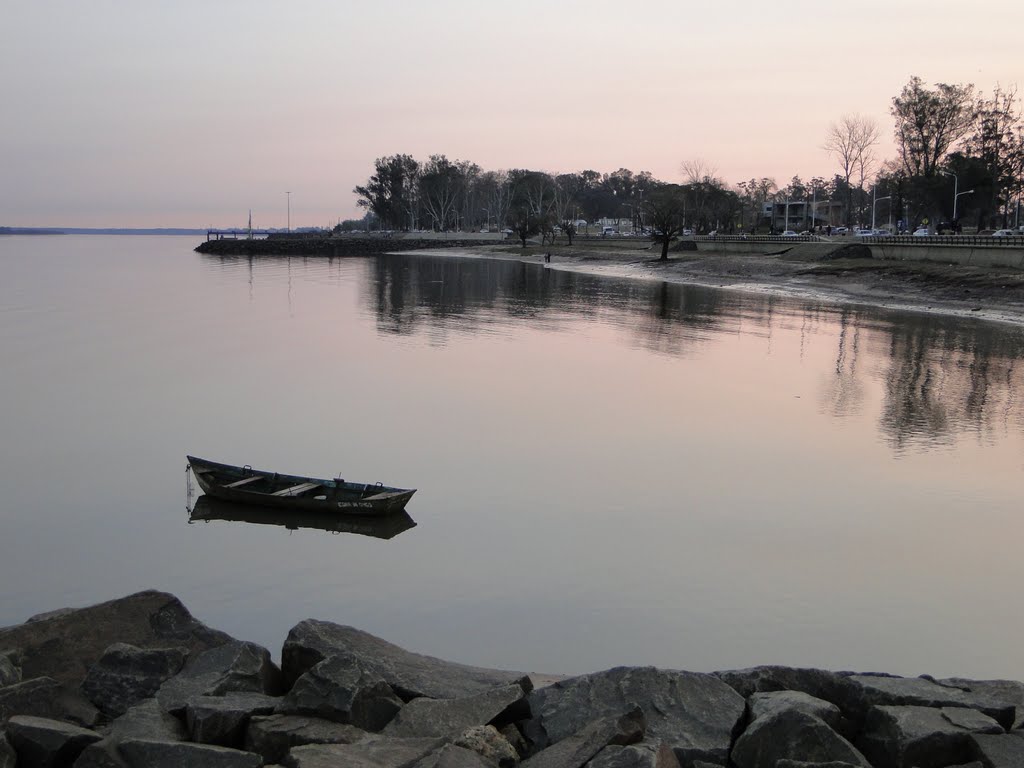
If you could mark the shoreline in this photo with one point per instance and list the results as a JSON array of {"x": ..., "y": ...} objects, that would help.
[
  {"x": 989, "y": 294},
  {"x": 139, "y": 682}
]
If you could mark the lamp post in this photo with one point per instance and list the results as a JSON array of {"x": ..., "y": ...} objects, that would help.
[
  {"x": 289, "y": 210},
  {"x": 488, "y": 218},
  {"x": 874, "y": 202},
  {"x": 958, "y": 195},
  {"x": 956, "y": 184}
]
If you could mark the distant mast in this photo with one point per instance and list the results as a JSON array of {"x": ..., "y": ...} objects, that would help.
[{"x": 250, "y": 223}]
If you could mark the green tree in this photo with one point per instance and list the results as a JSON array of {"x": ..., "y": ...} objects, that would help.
[
  {"x": 663, "y": 211},
  {"x": 390, "y": 193},
  {"x": 930, "y": 122}
]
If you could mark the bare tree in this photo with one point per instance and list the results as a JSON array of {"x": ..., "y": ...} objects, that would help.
[{"x": 851, "y": 141}]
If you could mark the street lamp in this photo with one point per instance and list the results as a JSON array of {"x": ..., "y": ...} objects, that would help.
[
  {"x": 289, "y": 210},
  {"x": 874, "y": 202},
  {"x": 956, "y": 184},
  {"x": 961, "y": 194}
]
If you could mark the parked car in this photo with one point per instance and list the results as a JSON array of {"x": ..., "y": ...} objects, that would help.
[
  {"x": 863, "y": 233},
  {"x": 790, "y": 233},
  {"x": 883, "y": 233},
  {"x": 687, "y": 231},
  {"x": 922, "y": 232},
  {"x": 1005, "y": 233},
  {"x": 840, "y": 231}
]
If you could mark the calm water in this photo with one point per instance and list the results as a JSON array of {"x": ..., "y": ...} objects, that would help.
[{"x": 609, "y": 472}]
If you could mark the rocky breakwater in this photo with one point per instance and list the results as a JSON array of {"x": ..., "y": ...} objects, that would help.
[
  {"x": 139, "y": 682},
  {"x": 332, "y": 247}
]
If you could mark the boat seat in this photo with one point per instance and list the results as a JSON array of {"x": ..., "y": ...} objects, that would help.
[
  {"x": 295, "y": 490},
  {"x": 244, "y": 481}
]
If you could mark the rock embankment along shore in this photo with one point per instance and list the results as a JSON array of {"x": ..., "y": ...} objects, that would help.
[
  {"x": 332, "y": 247},
  {"x": 139, "y": 682}
]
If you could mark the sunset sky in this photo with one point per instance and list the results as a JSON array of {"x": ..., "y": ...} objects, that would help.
[{"x": 187, "y": 113}]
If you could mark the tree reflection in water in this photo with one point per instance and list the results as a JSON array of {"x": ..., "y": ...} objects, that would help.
[{"x": 944, "y": 375}]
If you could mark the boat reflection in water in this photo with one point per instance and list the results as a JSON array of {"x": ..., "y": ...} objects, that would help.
[{"x": 207, "y": 508}]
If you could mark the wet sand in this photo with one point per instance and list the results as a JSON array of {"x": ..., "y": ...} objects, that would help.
[{"x": 987, "y": 293}]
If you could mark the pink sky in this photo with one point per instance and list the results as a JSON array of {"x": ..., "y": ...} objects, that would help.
[{"x": 191, "y": 114}]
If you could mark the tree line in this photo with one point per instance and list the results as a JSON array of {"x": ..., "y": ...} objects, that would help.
[{"x": 944, "y": 134}]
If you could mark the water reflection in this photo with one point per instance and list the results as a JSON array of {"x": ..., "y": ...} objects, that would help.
[
  {"x": 945, "y": 375},
  {"x": 207, "y": 508}
]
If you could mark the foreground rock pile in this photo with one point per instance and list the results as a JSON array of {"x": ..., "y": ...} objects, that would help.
[{"x": 139, "y": 682}]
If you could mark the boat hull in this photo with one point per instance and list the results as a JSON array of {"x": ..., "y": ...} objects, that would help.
[{"x": 311, "y": 494}]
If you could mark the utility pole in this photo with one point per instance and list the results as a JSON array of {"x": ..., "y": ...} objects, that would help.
[{"x": 289, "y": 210}]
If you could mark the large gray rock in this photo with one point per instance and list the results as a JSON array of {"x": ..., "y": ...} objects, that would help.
[
  {"x": 45, "y": 697},
  {"x": 65, "y": 646},
  {"x": 786, "y": 763},
  {"x": 642, "y": 756},
  {"x": 770, "y": 702},
  {"x": 373, "y": 752},
  {"x": 695, "y": 714},
  {"x": 273, "y": 735},
  {"x": 339, "y": 689},
  {"x": 997, "y": 751},
  {"x": 922, "y": 692},
  {"x": 488, "y": 743},
  {"x": 444, "y": 717},
  {"x": 794, "y": 735},
  {"x": 1009, "y": 692},
  {"x": 819, "y": 683},
  {"x": 147, "y": 720},
  {"x": 222, "y": 720},
  {"x": 9, "y": 673},
  {"x": 126, "y": 675},
  {"x": 922, "y": 737},
  {"x": 234, "y": 667},
  {"x": 451, "y": 756},
  {"x": 102, "y": 754},
  {"x": 576, "y": 750},
  {"x": 39, "y": 741},
  {"x": 146, "y": 753},
  {"x": 410, "y": 674}
]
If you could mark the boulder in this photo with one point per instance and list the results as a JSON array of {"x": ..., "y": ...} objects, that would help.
[
  {"x": 125, "y": 675},
  {"x": 338, "y": 689},
  {"x": 576, "y": 750},
  {"x": 770, "y": 702},
  {"x": 410, "y": 675},
  {"x": 234, "y": 667},
  {"x": 884, "y": 690},
  {"x": 273, "y": 735},
  {"x": 696, "y": 714},
  {"x": 451, "y": 756},
  {"x": 9, "y": 673},
  {"x": 39, "y": 741},
  {"x": 222, "y": 720},
  {"x": 45, "y": 697},
  {"x": 922, "y": 737},
  {"x": 102, "y": 754},
  {"x": 489, "y": 744},
  {"x": 66, "y": 645},
  {"x": 443, "y": 717},
  {"x": 148, "y": 753},
  {"x": 821, "y": 684},
  {"x": 147, "y": 720},
  {"x": 997, "y": 751},
  {"x": 794, "y": 735},
  {"x": 373, "y": 752},
  {"x": 787, "y": 763},
  {"x": 642, "y": 756},
  {"x": 1008, "y": 691}
]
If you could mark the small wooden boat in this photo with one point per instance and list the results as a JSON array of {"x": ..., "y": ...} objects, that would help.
[
  {"x": 208, "y": 508},
  {"x": 270, "y": 489}
]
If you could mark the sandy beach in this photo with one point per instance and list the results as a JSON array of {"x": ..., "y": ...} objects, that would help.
[{"x": 987, "y": 293}]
